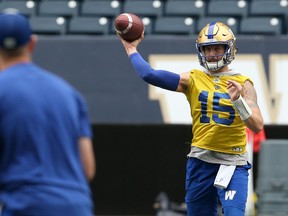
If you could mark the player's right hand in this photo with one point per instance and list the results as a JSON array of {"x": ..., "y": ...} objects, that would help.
[{"x": 131, "y": 46}]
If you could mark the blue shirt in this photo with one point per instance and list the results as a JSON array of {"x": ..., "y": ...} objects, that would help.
[{"x": 41, "y": 119}]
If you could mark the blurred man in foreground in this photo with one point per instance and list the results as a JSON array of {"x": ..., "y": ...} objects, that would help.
[{"x": 46, "y": 153}]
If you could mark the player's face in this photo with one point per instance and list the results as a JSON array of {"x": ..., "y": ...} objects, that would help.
[{"x": 214, "y": 53}]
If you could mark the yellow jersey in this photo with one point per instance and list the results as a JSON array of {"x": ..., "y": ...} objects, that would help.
[{"x": 216, "y": 123}]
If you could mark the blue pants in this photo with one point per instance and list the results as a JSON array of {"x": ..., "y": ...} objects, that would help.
[{"x": 201, "y": 195}]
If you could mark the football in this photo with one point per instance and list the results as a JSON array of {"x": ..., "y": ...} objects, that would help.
[{"x": 129, "y": 26}]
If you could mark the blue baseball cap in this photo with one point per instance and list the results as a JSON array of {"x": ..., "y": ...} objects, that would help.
[{"x": 15, "y": 30}]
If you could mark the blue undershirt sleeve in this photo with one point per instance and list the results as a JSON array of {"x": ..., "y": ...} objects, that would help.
[{"x": 161, "y": 78}]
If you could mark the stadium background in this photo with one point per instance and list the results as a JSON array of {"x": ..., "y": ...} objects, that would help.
[{"x": 138, "y": 153}]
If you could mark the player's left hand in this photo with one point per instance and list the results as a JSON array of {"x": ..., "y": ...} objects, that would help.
[{"x": 234, "y": 89}]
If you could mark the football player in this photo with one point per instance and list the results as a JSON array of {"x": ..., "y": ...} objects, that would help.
[{"x": 223, "y": 103}]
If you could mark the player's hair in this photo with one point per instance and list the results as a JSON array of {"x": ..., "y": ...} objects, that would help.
[{"x": 14, "y": 53}]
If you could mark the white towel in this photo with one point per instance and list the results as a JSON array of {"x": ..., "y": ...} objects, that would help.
[{"x": 224, "y": 176}]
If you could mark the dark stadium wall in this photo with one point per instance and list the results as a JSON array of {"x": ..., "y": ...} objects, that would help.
[{"x": 137, "y": 162}]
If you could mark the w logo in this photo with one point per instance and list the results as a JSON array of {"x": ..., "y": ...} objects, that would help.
[{"x": 230, "y": 194}]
